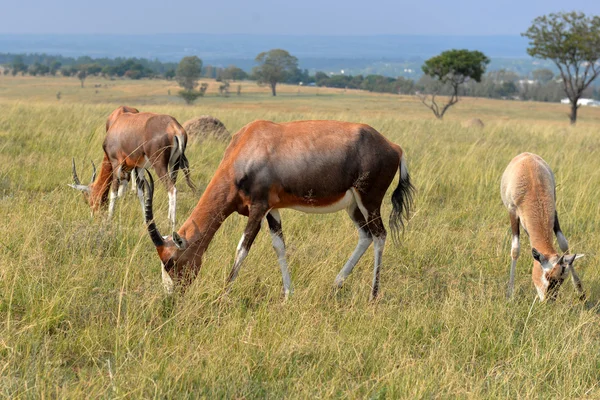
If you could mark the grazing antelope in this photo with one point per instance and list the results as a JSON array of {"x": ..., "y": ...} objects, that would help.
[
  {"x": 310, "y": 166},
  {"x": 528, "y": 190},
  {"x": 133, "y": 142}
]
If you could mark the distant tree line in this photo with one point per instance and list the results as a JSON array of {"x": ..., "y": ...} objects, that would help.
[{"x": 542, "y": 85}]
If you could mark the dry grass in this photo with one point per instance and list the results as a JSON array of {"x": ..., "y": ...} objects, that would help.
[{"x": 83, "y": 314}]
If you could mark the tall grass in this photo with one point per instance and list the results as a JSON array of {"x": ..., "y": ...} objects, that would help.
[{"x": 83, "y": 313}]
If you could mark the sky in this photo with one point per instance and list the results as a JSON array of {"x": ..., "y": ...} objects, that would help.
[{"x": 281, "y": 17}]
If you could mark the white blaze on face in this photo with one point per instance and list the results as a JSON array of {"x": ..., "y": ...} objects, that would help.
[{"x": 168, "y": 283}]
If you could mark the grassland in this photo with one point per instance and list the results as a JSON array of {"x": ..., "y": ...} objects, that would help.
[{"x": 82, "y": 308}]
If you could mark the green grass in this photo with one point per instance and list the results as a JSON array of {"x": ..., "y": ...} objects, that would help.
[{"x": 82, "y": 308}]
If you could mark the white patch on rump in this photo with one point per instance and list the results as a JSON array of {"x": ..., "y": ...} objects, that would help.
[{"x": 341, "y": 204}]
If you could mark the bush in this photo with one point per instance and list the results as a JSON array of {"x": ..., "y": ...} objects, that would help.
[{"x": 189, "y": 96}]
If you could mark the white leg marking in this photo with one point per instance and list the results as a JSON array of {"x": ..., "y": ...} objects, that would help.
[
  {"x": 240, "y": 255},
  {"x": 168, "y": 283},
  {"x": 378, "y": 243},
  {"x": 133, "y": 180},
  {"x": 279, "y": 247},
  {"x": 172, "y": 205},
  {"x": 514, "y": 253},
  {"x": 364, "y": 241},
  {"x": 562, "y": 241},
  {"x": 111, "y": 204},
  {"x": 122, "y": 187}
]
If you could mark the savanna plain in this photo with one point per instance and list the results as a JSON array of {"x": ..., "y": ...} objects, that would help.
[{"x": 83, "y": 312}]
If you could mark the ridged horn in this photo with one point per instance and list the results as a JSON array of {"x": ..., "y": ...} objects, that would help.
[
  {"x": 157, "y": 239},
  {"x": 75, "y": 177},
  {"x": 93, "y": 173}
]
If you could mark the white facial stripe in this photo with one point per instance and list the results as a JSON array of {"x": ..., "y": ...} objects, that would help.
[
  {"x": 341, "y": 204},
  {"x": 168, "y": 283},
  {"x": 515, "y": 242}
]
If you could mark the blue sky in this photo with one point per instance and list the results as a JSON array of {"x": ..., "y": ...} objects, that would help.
[{"x": 298, "y": 17}]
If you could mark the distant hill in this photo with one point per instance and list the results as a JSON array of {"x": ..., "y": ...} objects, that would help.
[{"x": 386, "y": 54}]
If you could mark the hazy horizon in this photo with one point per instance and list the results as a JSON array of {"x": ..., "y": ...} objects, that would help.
[{"x": 310, "y": 17}]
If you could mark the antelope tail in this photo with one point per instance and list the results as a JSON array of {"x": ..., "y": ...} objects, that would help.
[
  {"x": 181, "y": 162},
  {"x": 402, "y": 199}
]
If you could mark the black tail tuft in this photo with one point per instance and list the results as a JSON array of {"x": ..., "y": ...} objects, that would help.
[
  {"x": 184, "y": 164},
  {"x": 402, "y": 200}
]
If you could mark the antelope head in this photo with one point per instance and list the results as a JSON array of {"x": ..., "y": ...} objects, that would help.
[
  {"x": 85, "y": 189},
  {"x": 553, "y": 272},
  {"x": 174, "y": 251}
]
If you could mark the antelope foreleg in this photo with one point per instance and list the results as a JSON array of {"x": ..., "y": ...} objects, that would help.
[
  {"x": 274, "y": 221},
  {"x": 252, "y": 229},
  {"x": 514, "y": 252}
]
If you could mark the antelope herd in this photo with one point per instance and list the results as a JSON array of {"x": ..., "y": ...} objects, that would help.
[{"x": 309, "y": 166}]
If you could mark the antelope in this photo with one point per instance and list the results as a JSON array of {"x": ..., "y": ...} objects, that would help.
[
  {"x": 528, "y": 190},
  {"x": 133, "y": 142},
  {"x": 309, "y": 166}
]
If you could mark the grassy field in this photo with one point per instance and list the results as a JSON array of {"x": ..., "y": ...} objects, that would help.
[{"x": 82, "y": 308}]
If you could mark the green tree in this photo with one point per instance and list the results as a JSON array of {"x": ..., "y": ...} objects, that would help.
[
  {"x": 54, "y": 67},
  {"x": 188, "y": 72},
  {"x": 18, "y": 65},
  {"x": 274, "y": 67},
  {"x": 170, "y": 74},
  {"x": 543, "y": 75},
  {"x": 233, "y": 73},
  {"x": 572, "y": 41},
  {"x": 451, "y": 69},
  {"x": 189, "y": 96},
  {"x": 81, "y": 75}
]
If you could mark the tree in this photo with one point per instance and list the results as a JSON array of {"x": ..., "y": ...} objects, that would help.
[
  {"x": 188, "y": 72},
  {"x": 18, "y": 65},
  {"x": 274, "y": 67},
  {"x": 233, "y": 73},
  {"x": 189, "y": 96},
  {"x": 572, "y": 41},
  {"x": 54, "y": 67},
  {"x": 170, "y": 74},
  {"x": 452, "y": 68},
  {"x": 543, "y": 75},
  {"x": 81, "y": 75}
]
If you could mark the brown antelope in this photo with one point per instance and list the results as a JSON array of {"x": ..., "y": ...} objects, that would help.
[
  {"x": 133, "y": 142},
  {"x": 310, "y": 166},
  {"x": 528, "y": 190}
]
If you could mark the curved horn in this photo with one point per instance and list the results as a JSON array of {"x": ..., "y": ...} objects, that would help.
[
  {"x": 93, "y": 173},
  {"x": 75, "y": 177},
  {"x": 157, "y": 239}
]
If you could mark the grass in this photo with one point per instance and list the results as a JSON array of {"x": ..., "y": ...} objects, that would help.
[{"x": 82, "y": 308}]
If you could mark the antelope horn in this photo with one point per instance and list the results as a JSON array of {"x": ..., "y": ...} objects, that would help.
[
  {"x": 93, "y": 173},
  {"x": 75, "y": 177},
  {"x": 157, "y": 239},
  {"x": 76, "y": 183}
]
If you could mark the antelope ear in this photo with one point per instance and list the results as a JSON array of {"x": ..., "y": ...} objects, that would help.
[
  {"x": 537, "y": 256},
  {"x": 82, "y": 188},
  {"x": 179, "y": 242},
  {"x": 569, "y": 259}
]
